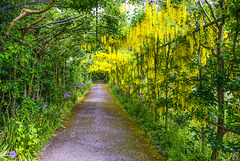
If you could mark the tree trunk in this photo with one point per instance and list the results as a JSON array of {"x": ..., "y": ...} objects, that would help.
[
  {"x": 155, "y": 81},
  {"x": 220, "y": 89},
  {"x": 200, "y": 82},
  {"x": 25, "y": 90},
  {"x": 166, "y": 84},
  {"x": 41, "y": 88},
  {"x": 34, "y": 95}
]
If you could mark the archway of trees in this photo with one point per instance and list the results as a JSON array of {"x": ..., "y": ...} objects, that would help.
[{"x": 178, "y": 60}]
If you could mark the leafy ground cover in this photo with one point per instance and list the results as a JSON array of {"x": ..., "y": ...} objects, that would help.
[
  {"x": 180, "y": 142},
  {"x": 34, "y": 125}
]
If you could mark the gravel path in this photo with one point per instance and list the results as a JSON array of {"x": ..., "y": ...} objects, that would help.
[{"x": 100, "y": 130}]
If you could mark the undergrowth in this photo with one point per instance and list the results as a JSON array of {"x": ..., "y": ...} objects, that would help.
[
  {"x": 24, "y": 134},
  {"x": 178, "y": 143}
]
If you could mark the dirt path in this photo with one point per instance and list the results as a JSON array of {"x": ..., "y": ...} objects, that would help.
[{"x": 100, "y": 130}]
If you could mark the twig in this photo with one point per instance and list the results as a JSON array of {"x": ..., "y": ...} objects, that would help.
[
  {"x": 28, "y": 11},
  {"x": 25, "y": 30},
  {"x": 225, "y": 128},
  {"x": 212, "y": 11},
  {"x": 62, "y": 32},
  {"x": 38, "y": 37},
  {"x": 206, "y": 14},
  {"x": 210, "y": 48},
  {"x": 59, "y": 22}
]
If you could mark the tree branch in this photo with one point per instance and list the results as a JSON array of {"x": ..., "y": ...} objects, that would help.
[
  {"x": 225, "y": 128},
  {"x": 71, "y": 29},
  {"x": 23, "y": 14},
  {"x": 62, "y": 32},
  {"x": 206, "y": 14},
  {"x": 40, "y": 11},
  {"x": 62, "y": 40},
  {"x": 210, "y": 48},
  {"x": 38, "y": 37},
  {"x": 59, "y": 22},
  {"x": 25, "y": 30},
  {"x": 26, "y": 12},
  {"x": 16, "y": 40},
  {"x": 37, "y": 21},
  {"x": 212, "y": 11},
  {"x": 50, "y": 40}
]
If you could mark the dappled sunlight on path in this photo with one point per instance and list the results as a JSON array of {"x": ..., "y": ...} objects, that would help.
[{"x": 100, "y": 130}]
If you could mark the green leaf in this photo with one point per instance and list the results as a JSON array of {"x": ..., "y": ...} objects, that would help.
[
  {"x": 30, "y": 136},
  {"x": 19, "y": 138},
  {"x": 20, "y": 149},
  {"x": 20, "y": 129},
  {"x": 34, "y": 130},
  {"x": 30, "y": 143},
  {"x": 10, "y": 47},
  {"x": 35, "y": 140}
]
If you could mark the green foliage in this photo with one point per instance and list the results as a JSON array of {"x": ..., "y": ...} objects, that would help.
[
  {"x": 45, "y": 65},
  {"x": 182, "y": 141},
  {"x": 33, "y": 127}
]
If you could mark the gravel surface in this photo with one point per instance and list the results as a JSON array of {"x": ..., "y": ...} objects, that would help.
[{"x": 100, "y": 130}]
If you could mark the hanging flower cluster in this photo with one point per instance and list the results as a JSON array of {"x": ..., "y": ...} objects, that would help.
[{"x": 155, "y": 58}]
